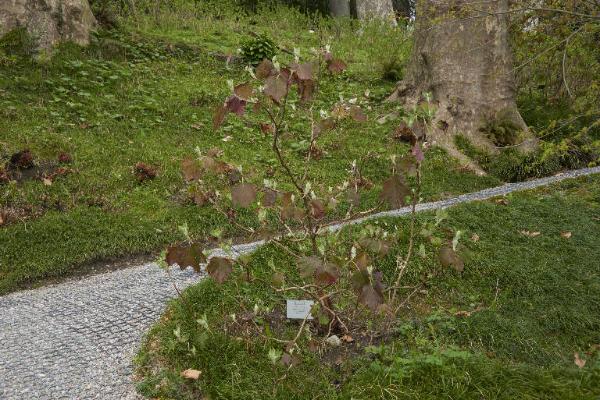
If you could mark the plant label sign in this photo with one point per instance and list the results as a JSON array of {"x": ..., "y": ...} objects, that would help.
[{"x": 299, "y": 309}]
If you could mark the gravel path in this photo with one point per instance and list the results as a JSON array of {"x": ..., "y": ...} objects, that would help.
[{"x": 75, "y": 340}]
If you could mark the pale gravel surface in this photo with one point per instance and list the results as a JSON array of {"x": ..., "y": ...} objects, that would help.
[{"x": 76, "y": 340}]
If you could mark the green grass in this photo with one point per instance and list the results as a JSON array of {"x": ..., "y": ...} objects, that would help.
[
  {"x": 147, "y": 93},
  {"x": 533, "y": 303}
]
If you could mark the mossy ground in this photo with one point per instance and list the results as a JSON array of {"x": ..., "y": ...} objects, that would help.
[{"x": 505, "y": 328}]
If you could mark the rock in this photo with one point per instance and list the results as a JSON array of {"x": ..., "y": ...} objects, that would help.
[
  {"x": 49, "y": 22},
  {"x": 382, "y": 9},
  {"x": 333, "y": 341}
]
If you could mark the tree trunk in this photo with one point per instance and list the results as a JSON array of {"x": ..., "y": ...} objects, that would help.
[
  {"x": 48, "y": 21},
  {"x": 375, "y": 9},
  {"x": 404, "y": 9},
  {"x": 462, "y": 57},
  {"x": 339, "y": 8}
]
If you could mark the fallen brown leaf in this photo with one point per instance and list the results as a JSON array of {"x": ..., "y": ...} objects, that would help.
[
  {"x": 579, "y": 361},
  {"x": 191, "y": 374},
  {"x": 347, "y": 339},
  {"x": 566, "y": 235},
  {"x": 65, "y": 158},
  {"x": 530, "y": 233},
  {"x": 144, "y": 172},
  {"x": 475, "y": 237},
  {"x": 464, "y": 314}
]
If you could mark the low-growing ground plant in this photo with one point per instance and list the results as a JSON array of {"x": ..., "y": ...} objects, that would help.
[{"x": 258, "y": 48}]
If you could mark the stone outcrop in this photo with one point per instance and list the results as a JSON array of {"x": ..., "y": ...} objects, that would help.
[
  {"x": 49, "y": 21},
  {"x": 383, "y": 9}
]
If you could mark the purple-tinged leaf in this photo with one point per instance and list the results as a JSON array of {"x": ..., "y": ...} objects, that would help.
[
  {"x": 219, "y": 116},
  {"x": 327, "y": 274},
  {"x": 357, "y": 114},
  {"x": 378, "y": 246},
  {"x": 362, "y": 261},
  {"x": 336, "y": 66},
  {"x": 276, "y": 87},
  {"x": 269, "y": 197},
  {"x": 186, "y": 256},
  {"x": 219, "y": 268},
  {"x": 306, "y": 90},
  {"x": 236, "y": 105},
  {"x": 317, "y": 208},
  {"x": 264, "y": 69},
  {"x": 200, "y": 198},
  {"x": 369, "y": 289},
  {"x": 418, "y": 153},
  {"x": 192, "y": 171},
  {"x": 395, "y": 191},
  {"x": 304, "y": 71},
  {"x": 243, "y": 194},
  {"x": 449, "y": 258}
]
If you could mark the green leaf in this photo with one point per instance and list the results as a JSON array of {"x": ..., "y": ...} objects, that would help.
[{"x": 274, "y": 355}]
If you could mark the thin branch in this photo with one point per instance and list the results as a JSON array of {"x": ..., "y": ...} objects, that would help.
[
  {"x": 564, "y": 68},
  {"x": 411, "y": 242}
]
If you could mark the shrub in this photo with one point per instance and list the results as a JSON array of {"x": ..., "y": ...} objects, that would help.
[{"x": 257, "y": 49}]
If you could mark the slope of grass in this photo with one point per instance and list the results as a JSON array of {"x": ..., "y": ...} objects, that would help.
[
  {"x": 146, "y": 93},
  {"x": 505, "y": 328}
]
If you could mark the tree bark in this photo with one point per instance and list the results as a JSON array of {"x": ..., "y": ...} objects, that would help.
[
  {"x": 461, "y": 56},
  {"x": 339, "y": 8},
  {"x": 404, "y": 8},
  {"x": 375, "y": 9}
]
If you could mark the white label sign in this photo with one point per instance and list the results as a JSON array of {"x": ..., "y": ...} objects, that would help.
[{"x": 299, "y": 309}]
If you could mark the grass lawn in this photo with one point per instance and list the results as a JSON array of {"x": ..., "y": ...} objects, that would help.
[
  {"x": 506, "y": 328},
  {"x": 146, "y": 93}
]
